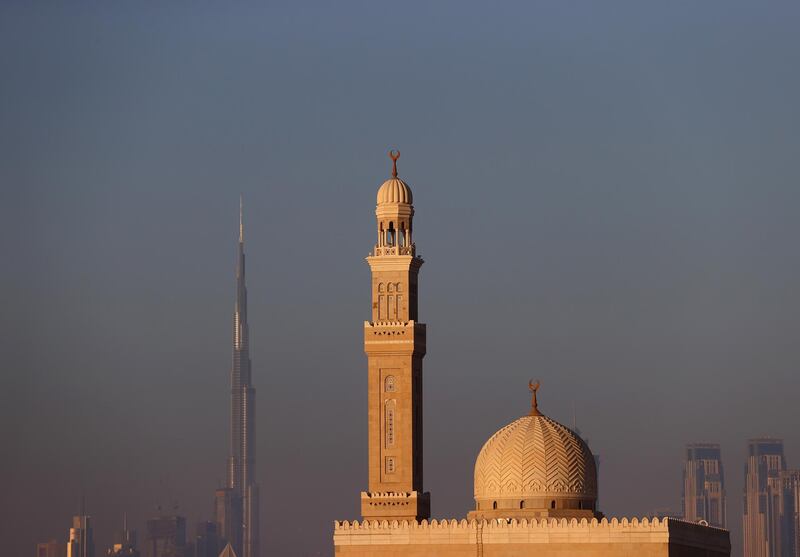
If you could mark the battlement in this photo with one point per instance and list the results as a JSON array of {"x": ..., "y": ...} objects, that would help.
[
  {"x": 387, "y": 324},
  {"x": 633, "y": 524},
  {"x": 386, "y": 495},
  {"x": 394, "y": 507},
  {"x": 523, "y": 532},
  {"x": 394, "y": 336}
]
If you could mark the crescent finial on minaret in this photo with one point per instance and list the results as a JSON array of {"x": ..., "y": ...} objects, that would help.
[
  {"x": 394, "y": 154},
  {"x": 534, "y": 386},
  {"x": 241, "y": 221}
]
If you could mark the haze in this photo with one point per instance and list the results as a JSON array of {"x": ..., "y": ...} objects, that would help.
[{"x": 606, "y": 198}]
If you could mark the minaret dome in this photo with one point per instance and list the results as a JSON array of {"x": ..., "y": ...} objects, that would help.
[
  {"x": 395, "y": 213},
  {"x": 394, "y": 190}
]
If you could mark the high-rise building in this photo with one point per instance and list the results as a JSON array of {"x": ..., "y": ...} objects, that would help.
[
  {"x": 206, "y": 540},
  {"x": 224, "y": 515},
  {"x": 791, "y": 513},
  {"x": 81, "y": 537},
  {"x": 166, "y": 537},
  {"x": 237, "y": 506},
  {"x": 394, "y": 341},
  {"x": 763, "y": 498},
  {"x": 704, "y": 484},
  {"x": 53, "y": 548},
  {"x": 124, "y": 542}
]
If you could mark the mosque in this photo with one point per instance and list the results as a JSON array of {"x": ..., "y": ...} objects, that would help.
[{"x": 535, "y": 480}]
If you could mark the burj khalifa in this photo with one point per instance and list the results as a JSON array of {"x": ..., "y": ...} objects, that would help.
[{"x": 237, "y": 503}]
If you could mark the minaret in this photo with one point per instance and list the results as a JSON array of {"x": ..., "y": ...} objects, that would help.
[
  {"x": 241, "y": 463},
  {"x": 395, "y": 345}
]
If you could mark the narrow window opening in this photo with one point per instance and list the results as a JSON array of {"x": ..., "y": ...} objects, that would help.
[
  {"x": 494, "y": 505},
  {"x": 390, "y": 235}
]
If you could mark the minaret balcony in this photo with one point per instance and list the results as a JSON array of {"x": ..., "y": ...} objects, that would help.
[{"x": 394, "y": 250}]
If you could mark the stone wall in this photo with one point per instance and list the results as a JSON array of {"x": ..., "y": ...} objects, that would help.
[{"x": 542, "y": 538}]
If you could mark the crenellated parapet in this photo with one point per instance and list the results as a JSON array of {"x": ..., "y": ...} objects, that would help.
[
  {"x": 617, "y": 524},
  {"x": 391, "y": 336},
  {"x": 518, "y": 533}
]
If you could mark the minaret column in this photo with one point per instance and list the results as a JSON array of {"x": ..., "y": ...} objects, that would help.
[{"x": 394, "y": 342}]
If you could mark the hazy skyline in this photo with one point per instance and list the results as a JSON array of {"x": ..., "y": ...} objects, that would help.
[{"x": 613, "y": 186}]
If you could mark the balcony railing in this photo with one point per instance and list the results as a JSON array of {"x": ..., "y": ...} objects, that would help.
[{"x": 394, "y": 250}]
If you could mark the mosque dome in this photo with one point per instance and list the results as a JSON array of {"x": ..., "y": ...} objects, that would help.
[{"x": 535, "y": 466}]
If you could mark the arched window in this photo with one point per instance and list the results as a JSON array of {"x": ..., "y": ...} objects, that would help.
[
  {"x": 390, "y": 235},
  {"x": 494, "y": 505},
  {"x": 380, "y": 287},
  {"x": 389, "y": 385},
  {"x": 553, "y": 504},
  {"x": 522, "y": 504},
  {"x": 390, "y": 287}
]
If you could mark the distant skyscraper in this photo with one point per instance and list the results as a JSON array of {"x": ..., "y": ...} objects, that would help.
[
  {"x": 81, "y": 537},
  {"x": 166, "y": 537},
  {"x": 223, "y": 515},
  {"x": 206, "y": 541},
  {"x": 53, "y": 548},
  {"x": 791, "y": 513},
  {"x": 704, "y": 484},
  {"x": 237, "y": 506},
  {"x": 763, "y": 498},
  {"x": 124, "y": 542}
]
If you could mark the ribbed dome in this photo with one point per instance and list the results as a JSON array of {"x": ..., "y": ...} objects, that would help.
[
  {"x": 535, "y": 456},
  {"x": 394, "y": 190}
]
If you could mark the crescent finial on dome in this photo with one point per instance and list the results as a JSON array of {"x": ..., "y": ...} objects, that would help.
[
  {"x": 394, "y": 154},
  {"x": 534, "y": 386}
]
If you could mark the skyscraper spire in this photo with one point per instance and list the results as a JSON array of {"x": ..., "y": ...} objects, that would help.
[{"x": 241, "y": 528}]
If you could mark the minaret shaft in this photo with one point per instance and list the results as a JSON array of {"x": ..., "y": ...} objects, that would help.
[{"x": 394, "y": 342}]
